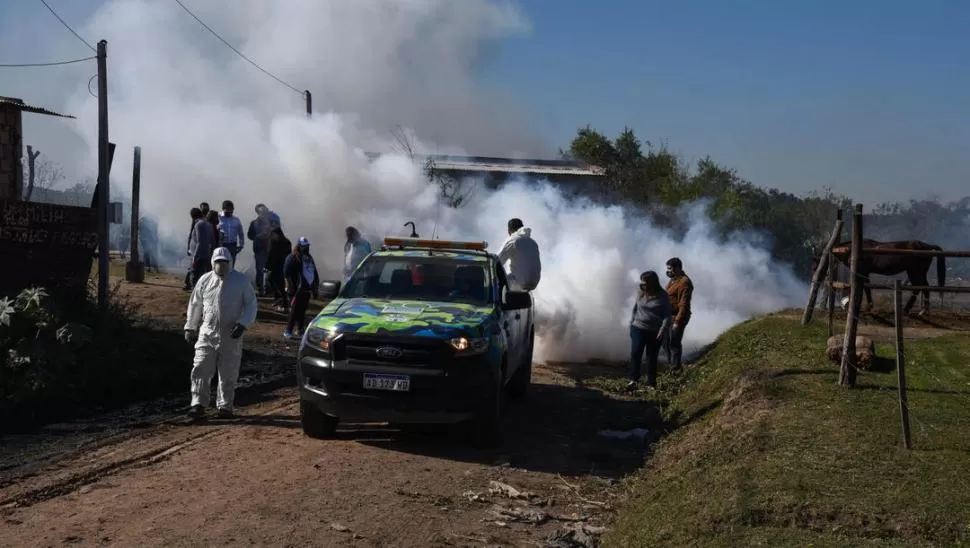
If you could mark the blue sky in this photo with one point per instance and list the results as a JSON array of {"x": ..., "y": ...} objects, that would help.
[{"x": 871, "y": 97}]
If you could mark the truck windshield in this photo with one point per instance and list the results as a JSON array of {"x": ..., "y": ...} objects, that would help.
[{"x": 423, "y": 278}]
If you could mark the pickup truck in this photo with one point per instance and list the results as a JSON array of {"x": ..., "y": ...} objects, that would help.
[{"x": 424, "y": 331}]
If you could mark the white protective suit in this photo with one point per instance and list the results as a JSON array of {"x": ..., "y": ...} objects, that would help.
[
  {"x": 522, "y": 254},
  {"x": 354, "y": 253},
  {"x": 217, "y": 304}
]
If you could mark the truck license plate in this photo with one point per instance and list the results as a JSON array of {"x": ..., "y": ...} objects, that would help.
[{"x": 394, "y": 383}]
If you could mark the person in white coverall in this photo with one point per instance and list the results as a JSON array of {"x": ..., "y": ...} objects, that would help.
[
  {"x": 355, "y": 250},
  {"x": 221, "y": 308},
  {"x": 522, "y": 254}
]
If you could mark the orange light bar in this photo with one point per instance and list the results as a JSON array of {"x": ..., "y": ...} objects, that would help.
[{"x": 435, "y": 244}]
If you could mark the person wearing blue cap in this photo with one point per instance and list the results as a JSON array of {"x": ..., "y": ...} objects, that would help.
[{"x": 302, "y": 283}]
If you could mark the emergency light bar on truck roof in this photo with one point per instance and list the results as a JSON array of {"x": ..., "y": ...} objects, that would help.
[{"x": 415, "y": 243}]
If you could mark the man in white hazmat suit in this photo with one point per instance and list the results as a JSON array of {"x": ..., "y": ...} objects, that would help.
[
  {"x": 521, "y": 253},
  {"x": 355, "y": 250},
  {"x": 222, "y": 306}
]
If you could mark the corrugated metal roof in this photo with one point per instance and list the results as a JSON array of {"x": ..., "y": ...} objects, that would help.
[
  {"x": 509, "y": 165},
  {"x": 20, "y": 105}
]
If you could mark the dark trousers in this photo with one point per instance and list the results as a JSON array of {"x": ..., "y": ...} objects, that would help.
[
  {"x": 298, "y": 306},
  {"x": 278, "y": 286},
  {"x": 675, "y": 346},
  {"x": 188, "y": 277},
  {"x": 644, "y": 342},
  {"x": 198, "y": 269}
]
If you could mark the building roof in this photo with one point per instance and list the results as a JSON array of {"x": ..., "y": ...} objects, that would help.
[
  {"x": 23, "y": 107},
  {"x": 479, "y": 164}
]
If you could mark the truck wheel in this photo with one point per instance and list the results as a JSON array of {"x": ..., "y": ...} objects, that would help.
[
  {"x": 315, "y": 424},
  {"x": 487, "y": 425},
  {"x": 522, "y": 378}
]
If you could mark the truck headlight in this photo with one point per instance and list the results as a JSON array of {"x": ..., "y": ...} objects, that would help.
[
  {"x": 464, "y": 345},
  {"x": 319, "y": 338}
]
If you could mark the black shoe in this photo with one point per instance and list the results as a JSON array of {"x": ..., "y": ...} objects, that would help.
[
  {"x": 225, "y": 414},
  {"x": 196, "y": 412}
]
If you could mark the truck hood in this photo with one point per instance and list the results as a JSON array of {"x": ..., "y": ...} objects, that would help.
[{"x": 418, "y": 318}]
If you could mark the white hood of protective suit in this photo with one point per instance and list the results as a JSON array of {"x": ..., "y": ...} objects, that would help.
[
  {"x": 521, "y": 253},
  {"x": 218, "y": 304}
]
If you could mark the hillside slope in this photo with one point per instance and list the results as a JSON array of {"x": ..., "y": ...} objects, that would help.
[{"x": 770, "y": 450}]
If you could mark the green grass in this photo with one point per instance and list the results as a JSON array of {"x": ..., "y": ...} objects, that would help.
[{"x": 768, "y": 450}]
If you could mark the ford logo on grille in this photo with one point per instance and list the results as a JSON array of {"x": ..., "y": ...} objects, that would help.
[{"x": 389, "y": 352}]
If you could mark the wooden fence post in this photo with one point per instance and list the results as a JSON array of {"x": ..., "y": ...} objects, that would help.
[
  {"x": 833, "y": 271},
  {"x": 901, "y": 361},
  {"x": 847, "y": 374},
  {"x": 820, "y": 270}
]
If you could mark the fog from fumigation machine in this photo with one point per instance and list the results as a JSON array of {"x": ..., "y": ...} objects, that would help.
[{"x": 213, "y": 127}]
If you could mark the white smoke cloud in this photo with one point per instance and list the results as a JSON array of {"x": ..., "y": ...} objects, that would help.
[{"x": 212, "y": 127}]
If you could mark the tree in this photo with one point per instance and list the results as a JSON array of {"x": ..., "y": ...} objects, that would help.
[
  {"x": 454, "y": 191},
  {"x": 42, "y": 175}
]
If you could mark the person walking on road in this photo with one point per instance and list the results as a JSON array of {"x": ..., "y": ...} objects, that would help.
[
  {"x": 302, "y": 282},
  {"x": 195, "y": 213},
  {"x": 258, "y": 233},
  {"x": 201, "y": 245},
  {"x": 648, "y": 325},
  {"x": 231, "y": 232},
  {"x": 280, "y": 248},
  {"x": 521, "y": 253},
  {"x": 680, "y": 289},
  {"x": 221, "y": 308}
]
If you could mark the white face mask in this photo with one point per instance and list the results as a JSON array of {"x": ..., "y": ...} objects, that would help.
[{"x": 221, "y": 268}]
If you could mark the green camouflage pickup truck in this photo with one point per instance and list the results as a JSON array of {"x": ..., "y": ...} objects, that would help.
[{"x": 424, "y": 331}]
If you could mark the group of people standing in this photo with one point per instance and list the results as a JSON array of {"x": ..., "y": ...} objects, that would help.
[{"x": 658, "y": 322}]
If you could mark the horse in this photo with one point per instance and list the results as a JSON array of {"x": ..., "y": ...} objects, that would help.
[{"x": 916, "y": 267}]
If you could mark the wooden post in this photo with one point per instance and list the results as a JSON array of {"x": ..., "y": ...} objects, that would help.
[
  {"x": 103, "y": 178},
  {"x": 31, "y": 171},
  {"x": 847, "y": 374},
  {"x": 309, "y": 102},
  {"x": 134, "y": 269},
  {"x": 833, "y": 271},
  {"x": 901, "y": 362},
  {"x": 823, "y": 261}
]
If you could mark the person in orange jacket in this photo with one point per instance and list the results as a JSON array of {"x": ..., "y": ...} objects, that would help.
[{"x": 680, "y": 289}]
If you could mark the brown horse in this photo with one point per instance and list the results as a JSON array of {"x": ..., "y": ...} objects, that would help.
[{"x": 916, "y": 267}]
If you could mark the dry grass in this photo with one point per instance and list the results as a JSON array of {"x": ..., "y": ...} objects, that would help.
[{"x": 768, "y": 450}]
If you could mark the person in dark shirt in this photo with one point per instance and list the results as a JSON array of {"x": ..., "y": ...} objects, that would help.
[
  {"x": 278, "y": 249},
  {"x": 302, "y": 283}
]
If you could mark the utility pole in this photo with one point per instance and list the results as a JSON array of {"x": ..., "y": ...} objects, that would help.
[
  {"x": 134, "y": 270},
  {"x": 104, "y": 169},
  {"x": 309, "y": 103}
]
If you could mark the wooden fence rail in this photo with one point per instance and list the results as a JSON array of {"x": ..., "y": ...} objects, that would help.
[{"x": 943, "y": 289}]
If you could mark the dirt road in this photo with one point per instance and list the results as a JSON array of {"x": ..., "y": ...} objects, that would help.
[{"x": 148, "y": 477}]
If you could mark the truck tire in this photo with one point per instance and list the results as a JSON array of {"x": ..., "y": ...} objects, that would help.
[
  {"x": 487, "y": 424},
  {"x": 522, "y": 378},
  {"x": 315, "y": 424}
]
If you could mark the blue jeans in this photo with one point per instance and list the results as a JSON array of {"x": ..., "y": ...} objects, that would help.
[{"x": 643, "y": 341}]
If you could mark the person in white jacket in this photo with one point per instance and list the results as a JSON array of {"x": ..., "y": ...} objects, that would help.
[
  {"x": 221, "y": 308},
  {"x": 521, "y": 253},
  {"x": 355, "y": 250}
]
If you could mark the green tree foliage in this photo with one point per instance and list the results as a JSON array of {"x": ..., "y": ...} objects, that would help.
[{"x": 656, "y": 181}]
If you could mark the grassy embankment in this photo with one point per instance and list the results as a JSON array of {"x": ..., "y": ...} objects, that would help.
[{"x": 771, "y": 451}]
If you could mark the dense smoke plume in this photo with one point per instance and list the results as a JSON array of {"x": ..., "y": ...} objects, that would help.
[{"x": 212, "y": 127}]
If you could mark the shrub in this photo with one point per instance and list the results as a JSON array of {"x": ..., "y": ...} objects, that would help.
[{"x": 63, "y": 357}]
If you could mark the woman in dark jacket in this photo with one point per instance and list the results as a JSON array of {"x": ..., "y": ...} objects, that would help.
[
  {"x": 302, "y": 282},
  {"x": 213, "y": 218},
  {"x": 279, "y": 249},
  {"x": 649, "y": 324}
]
